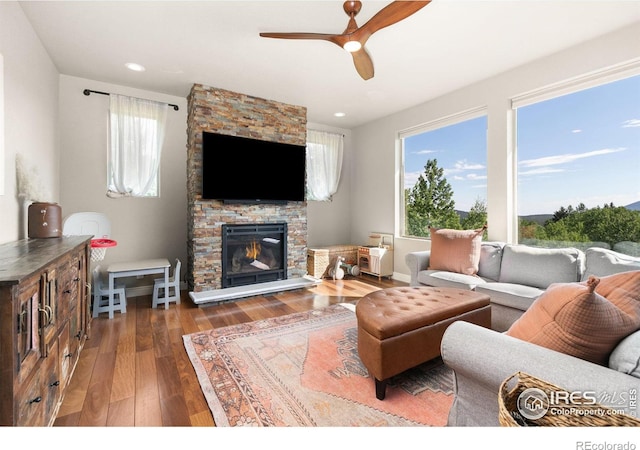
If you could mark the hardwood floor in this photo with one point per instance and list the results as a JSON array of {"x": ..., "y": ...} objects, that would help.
[{"x": 134, "y": 371}]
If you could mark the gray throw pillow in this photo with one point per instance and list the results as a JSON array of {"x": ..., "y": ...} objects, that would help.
[
  {"x": 625, "y": 357},
  {"x": 490, "y": 260},
  {"x": 539, "y": 267}
]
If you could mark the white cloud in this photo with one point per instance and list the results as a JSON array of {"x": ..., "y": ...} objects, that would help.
[
  {"x": 462, "y": 166},
  {"x": 567, "y": 158},
  {"x": 631, "y": 123},
  {"x": 539, "y": 171},
  {"x": 576, "y": 131},
  {"x": 425, "y": 152},
  {"x": 476, "y": 177},
  {"x": 410, "y": 178}
]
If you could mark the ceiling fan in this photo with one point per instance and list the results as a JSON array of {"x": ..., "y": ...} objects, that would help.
[{"x": 354, "y": 38}]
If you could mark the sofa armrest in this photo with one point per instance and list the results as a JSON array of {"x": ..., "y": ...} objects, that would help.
[
  {"x": 482, "y": 359},
  {"x": 417, "y": 261}
]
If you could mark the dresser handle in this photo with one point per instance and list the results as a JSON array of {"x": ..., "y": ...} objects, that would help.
[
  {"x": 55, "y": 383},
  {"x": 67, "y": 291},
  {"x": 47, "y": 317},
  {"x": 35, "y": 400},
  {"x": 79, "y": 335},
  {"x": 68, "y": 355}
]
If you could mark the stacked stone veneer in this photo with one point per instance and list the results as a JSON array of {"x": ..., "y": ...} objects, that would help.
[{"x": 225, "y": 112}]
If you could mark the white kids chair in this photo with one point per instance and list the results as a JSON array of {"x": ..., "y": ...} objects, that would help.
[
  {"x": 174, "y": 283},
  {"x": 101, "y": 296}
]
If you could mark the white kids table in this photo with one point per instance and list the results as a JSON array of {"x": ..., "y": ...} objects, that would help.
[{"x": 133, "y": 269}]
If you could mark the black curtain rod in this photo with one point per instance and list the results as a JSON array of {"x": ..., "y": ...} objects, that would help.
[{"x": 89, "y": 91}]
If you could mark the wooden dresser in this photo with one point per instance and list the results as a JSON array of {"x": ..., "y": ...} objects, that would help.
[{"x": 44, "y": 320}]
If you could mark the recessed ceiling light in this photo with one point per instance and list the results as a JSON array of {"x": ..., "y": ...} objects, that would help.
[
  {"x": 339, "y": 114},
  {"x": 135, "y": 67}
]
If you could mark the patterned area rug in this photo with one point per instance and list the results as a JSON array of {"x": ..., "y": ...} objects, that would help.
[{"x": 303, "y": 369}]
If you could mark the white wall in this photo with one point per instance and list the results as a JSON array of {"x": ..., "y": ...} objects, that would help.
[
  {"x": 143, "y": 227},
  {"x": 374, "y": 185},
  {"x": 30, "y": 111}
]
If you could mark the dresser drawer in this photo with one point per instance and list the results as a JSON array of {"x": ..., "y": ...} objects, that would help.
[{"x": 30, "y": 403}]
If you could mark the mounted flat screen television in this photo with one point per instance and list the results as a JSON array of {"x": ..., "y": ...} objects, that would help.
[{"x": 243, "y": 170}]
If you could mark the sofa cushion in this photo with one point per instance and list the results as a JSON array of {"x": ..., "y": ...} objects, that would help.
[
  {"x": 625, "y": 357},
  {"x": 515, "y": 296},
  {"x": 574, "y": 319},
  {"x": 539, "y": 267},
  {"x": 455, "y": 250},
  {"x": 440, "y": 278},
  {"x": 601, "y": 262},
  {"x": 490, "y": 260}
]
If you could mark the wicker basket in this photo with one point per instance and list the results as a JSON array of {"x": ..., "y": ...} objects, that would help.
[
  {"x": 580, "y": 412},
  {"x": 317, "y": 261},
  {"x": 320, "y": 260}
]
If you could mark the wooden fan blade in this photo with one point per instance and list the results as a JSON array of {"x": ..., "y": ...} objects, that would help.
[
  {"x": 363, "y": 63},
  {"x": 315, "y": 36},
  {"x": 390, "y": 14}
]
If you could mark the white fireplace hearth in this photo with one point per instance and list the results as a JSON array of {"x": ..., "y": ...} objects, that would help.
[{"x": 208, "y": 298}]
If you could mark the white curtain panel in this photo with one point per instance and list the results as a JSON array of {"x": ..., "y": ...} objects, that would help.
[
  {"x": 324, "y": 164},
  {"x": 137, "y": 129}
]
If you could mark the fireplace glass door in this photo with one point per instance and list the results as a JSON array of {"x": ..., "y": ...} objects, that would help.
[{"x": 253, "y": 253}]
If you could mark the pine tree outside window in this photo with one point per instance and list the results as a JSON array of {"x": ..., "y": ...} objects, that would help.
[{"x": 444, "y": 171}]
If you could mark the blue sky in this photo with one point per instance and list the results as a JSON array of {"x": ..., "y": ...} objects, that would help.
[{"x": 578, "y": 148}]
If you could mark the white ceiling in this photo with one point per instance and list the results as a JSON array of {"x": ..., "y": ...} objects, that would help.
[{"x": 444, "y": 46}]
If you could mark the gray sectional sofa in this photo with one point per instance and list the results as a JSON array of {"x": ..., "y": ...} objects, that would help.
[
  {"x": 515, "y": 275},
  {"x": 482, "y": 359}
]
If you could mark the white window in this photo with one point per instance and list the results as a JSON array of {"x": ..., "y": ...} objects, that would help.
[
  {"x": 324, "y": 164},
  {"x": 578, "y": 164},
  {"x": 444, "y": 175},
  {"x": 135, "y": 144}
]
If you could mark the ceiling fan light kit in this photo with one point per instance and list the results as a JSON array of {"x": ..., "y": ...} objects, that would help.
[
  {"x": 352, "y": 46},
  {"x": 354, "y": 38}
]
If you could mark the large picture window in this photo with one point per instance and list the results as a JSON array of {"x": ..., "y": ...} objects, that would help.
[
  {"x": 578, "y": 164},
  {"x": 444, "y": 175}
]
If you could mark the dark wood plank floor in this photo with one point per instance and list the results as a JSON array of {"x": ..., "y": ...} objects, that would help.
[{"x": 134, "y": 370}]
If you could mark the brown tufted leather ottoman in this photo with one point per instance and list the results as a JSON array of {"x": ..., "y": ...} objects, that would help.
[{"x": 400, "y": 328}]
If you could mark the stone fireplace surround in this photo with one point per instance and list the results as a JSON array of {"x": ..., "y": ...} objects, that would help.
[{"x": 222, "y": 111}]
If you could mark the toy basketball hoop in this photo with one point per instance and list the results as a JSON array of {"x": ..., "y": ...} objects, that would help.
[{"x": 99, "y": 248}]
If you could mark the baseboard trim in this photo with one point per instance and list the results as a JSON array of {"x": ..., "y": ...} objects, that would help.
[
  {"x": 139, "y": 291},
  {"x": 401, "y": 277}
]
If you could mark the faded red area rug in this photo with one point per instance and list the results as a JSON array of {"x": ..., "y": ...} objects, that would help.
[{"x": 303, "y": 370}]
